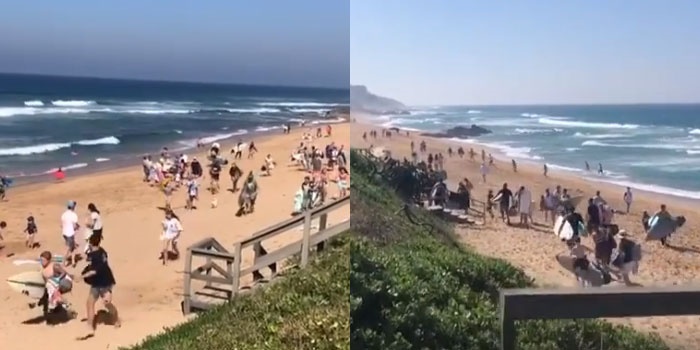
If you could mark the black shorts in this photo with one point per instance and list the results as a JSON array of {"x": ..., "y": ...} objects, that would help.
[
  {"x": 581, "y": 263},
  {"x": 97, "y": 233}
]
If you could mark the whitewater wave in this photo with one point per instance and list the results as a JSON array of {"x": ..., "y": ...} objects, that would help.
[
  {"x": 536, "y": 131},
  {"x": 253, "y": 110},
  {"x": 298, "y": 104},
  {"x": 504, "y": 149},
  {"x": 579, "y": 124},
  {"x": 667, "y": 146},
  {"x": 309, "y": 110},
  {"x": 694, "y": 132},
  {"x": 652, "y": 188},
  {"x": 473, "y": 111},
  {"x": 573, "y": 149},
  {"x": 598, "y": 136},
  {"x": 692, "y": 151},
  {"x": 52, "y": 147},
  {"x": 72, "y": 103},
  {"x": 101, "y": 160},
  {"x": 33, "y": 103},
  {"x": 531, "y": 115}
]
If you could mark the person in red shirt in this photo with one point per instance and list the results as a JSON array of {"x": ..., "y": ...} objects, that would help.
[{"x": 59, "y": 175}]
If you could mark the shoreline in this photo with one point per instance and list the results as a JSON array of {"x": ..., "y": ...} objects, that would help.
[
  {"x": 132, "y": 160},
  {"x": 500, "y": 154}
]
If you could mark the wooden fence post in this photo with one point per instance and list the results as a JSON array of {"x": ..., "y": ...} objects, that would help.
[
  {"x": 186, "y": 306},
  {"x": 235, "y": 285},
  {"x": 322, "y": 224},
  {"x": 305, "y": 239}
]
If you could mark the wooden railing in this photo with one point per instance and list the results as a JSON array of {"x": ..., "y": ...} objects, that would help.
[
  {"x": 228, "y": 264},
  {"x": 569, "y": 303}
]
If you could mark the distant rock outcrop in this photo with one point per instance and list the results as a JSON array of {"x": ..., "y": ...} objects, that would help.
[
  {"x": 461, "y": 132},
  {"x": 362, "y": 100}
]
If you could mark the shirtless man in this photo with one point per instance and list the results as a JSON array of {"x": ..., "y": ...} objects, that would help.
[{"x": 58, "y": 281}]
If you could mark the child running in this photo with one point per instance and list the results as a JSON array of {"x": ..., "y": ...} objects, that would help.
[
  {"x": 172, "y": 228},
  {"x": 31, "y": 231}
]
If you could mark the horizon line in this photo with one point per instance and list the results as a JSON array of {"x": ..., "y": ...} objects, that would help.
[
  {"x": 201, "y": 82},
  {"x": 557, "y": 104}
]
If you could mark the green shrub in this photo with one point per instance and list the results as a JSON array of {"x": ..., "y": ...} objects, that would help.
[
  {"x": 415, "y": 289},
  {"x": 306, "y": 309}
]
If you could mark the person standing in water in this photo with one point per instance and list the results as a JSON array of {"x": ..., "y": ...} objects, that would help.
[
  {"x": 588, "y": 166},
  {"x": 600, "y": 169},
  {"x": 627, "y": 197},
  {"x": 98, "y": 275}
]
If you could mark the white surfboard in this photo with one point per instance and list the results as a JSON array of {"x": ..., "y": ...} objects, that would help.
[{"x": 29, "y": 283}]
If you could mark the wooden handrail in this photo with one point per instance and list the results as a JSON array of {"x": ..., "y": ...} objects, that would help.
[{"x": 211, "y": 249}]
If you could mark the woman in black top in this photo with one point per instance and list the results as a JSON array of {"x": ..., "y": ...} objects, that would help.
[{"x": 99, "y": 276}]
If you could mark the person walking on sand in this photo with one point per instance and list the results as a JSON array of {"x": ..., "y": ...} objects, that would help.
[
  {"x": 69, "y": 226},
  {"x": 483, "y": 155},
  {"x": 235, "y": 173},
  {"x": 489, "y": 204},
  {"x": 98, "y": 275},
  {"x": 491, "y": 161},
  {"x": 515, "y": 165},
  {"x": 94, "y": 221},
  {"x": 551, "y": 202},
  {"x": 31, "y": 230},
  {"x": 504, "y": 198},
  {"x": 546, "y": 169},
  {"x": 524, "y": 203},
  {"x": 627, "y": 197},
  {"x": 172, "y": 229},
  {"x": 484, "y": 170}
]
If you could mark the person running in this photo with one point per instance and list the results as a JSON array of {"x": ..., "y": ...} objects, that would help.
[
  {"x": 627, "y": 197},
  {"x": 343, "y": 182},
  {"x": 484, "y": 170},
  {"x": 98, "y": 275},
  {"x": 252, "y": 150},
  {"x": 95, "y": 220},
  {"x": 574, "y": 219},
  {"x": 196, "y": 168},
  {"x": 593, "y": 215},
  {"x": 489, "y": 204},
  {"x": 663, "y": 213},
  {"x": 192, "y": 193},
  {"x": 69, "y": 225},
  {"x": 31, "y": 230},
  {"x": 58, "y": 281},
  {"x": 214, "y": 174},
  {"x": 172, "y": 229},
  {"x": 235, "y": 173},
  {"x": 504, "y": 198}
]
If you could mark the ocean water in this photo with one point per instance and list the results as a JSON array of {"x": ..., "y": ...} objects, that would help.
[
  {"x": 49, "y": 122},
  {"x": 654, "y": 148}
]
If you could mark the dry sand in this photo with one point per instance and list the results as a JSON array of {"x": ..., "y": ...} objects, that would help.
[
  {"x": 534, "y": 250},
  {"x": 147, "y": 294}
]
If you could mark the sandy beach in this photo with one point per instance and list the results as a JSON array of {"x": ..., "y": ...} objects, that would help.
[
  {"x": 534, "y": 250},
  {"x": 147, "y": 294}
]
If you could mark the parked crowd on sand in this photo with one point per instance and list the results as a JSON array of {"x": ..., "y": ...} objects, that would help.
[
  {"x": 615, "y": 253},
  {"x": 322, "y": 164}
]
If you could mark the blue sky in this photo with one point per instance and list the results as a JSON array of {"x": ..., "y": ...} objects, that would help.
[
  {"x": 527, "y": 52},
  {"x": 302, "y": 43}
]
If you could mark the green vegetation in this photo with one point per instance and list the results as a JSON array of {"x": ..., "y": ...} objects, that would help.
[
  {"x": 412, "y": 289},
  {"x": 306, "y": 309}
]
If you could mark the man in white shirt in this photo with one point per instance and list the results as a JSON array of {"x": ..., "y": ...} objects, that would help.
[{"x": 69, "y": 226}]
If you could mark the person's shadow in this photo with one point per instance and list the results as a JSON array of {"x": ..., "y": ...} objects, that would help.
[{"x": 682, "y": 249}]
